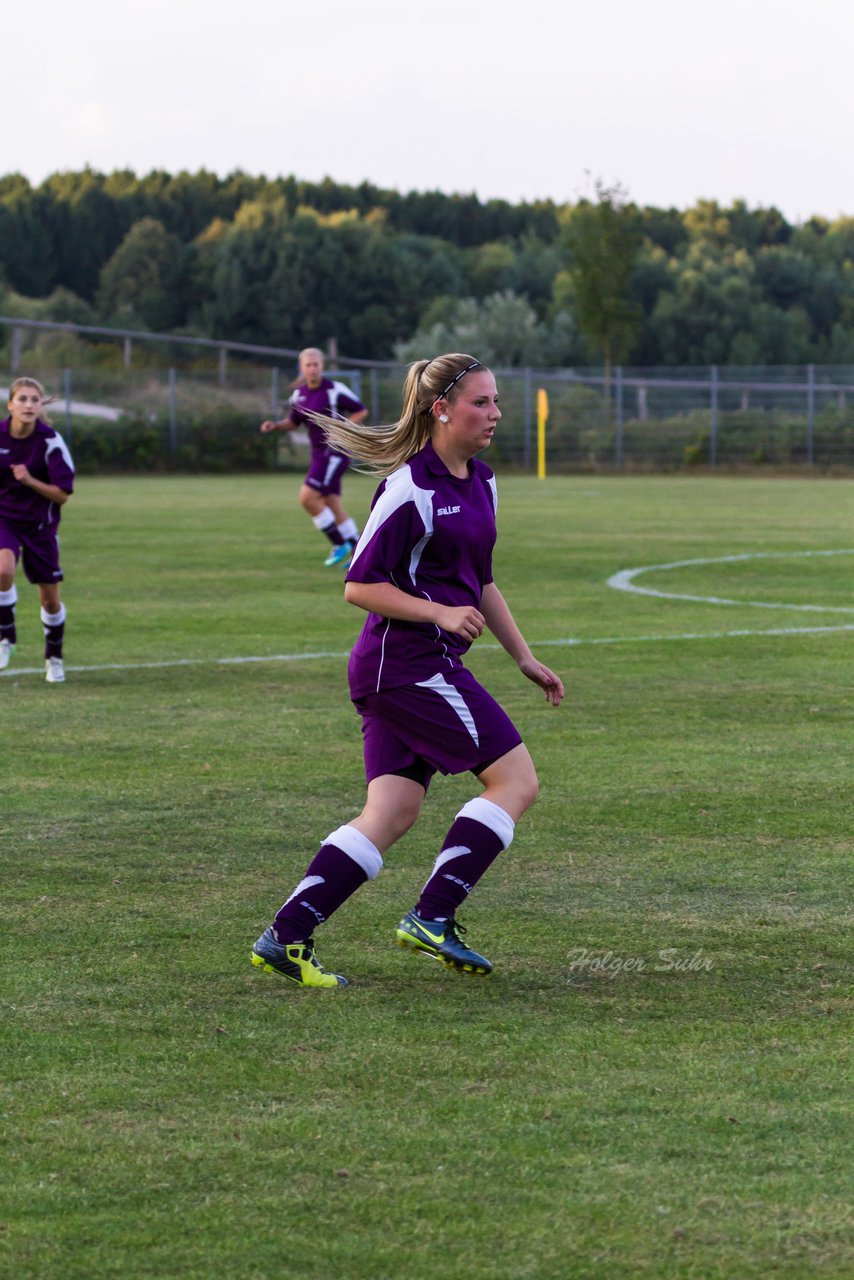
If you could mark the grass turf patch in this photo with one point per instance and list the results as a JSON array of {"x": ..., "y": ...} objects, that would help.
[{"x": 652, "y": 1082}]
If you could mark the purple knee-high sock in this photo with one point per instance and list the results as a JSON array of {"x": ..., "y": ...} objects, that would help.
[
  {"x": 345, "y": 860},
  {"x": 480, "y": 831}
]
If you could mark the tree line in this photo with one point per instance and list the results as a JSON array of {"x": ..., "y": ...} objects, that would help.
[{"x": 391, "y": 275}]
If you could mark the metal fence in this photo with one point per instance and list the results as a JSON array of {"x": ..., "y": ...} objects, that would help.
[{"x": 171, "y": 401}]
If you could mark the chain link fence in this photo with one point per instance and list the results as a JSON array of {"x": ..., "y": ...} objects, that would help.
[{"x": 127, "y": 400}]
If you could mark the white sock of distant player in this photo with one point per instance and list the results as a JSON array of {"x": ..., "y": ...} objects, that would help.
[
  {"x": 8, "y": 600},
  {"x": 325, "y": 522},
  {"x": 54, "y": 630},
  {"x": 349, "y": 530}
]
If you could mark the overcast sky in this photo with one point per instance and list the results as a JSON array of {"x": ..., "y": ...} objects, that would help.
[{"x": 521, "y": 99}]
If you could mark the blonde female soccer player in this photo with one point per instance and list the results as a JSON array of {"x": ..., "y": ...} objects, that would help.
[
  {"x": 36, "y": 480},
  {"x": 422, "y": 572},
  {"x": 320, "y": 495}
]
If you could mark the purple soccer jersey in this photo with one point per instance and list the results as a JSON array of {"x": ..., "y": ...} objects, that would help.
[
  {"x": 46, "y": 457},
  {"x": 431, "y": 534},
  {"x": 332, "y": 399}
]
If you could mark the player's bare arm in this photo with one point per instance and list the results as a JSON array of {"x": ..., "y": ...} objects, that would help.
[
  {"x": 50, "y": 491},
  {"x": 281, "y": 424},
  {"x": 501, "y": 623},
  {"x": 390, "y": 602}
]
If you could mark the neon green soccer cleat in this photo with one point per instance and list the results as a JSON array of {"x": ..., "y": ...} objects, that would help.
[
  {"x": 441, "y": 940},
  {"x": 295, "y": 961}
]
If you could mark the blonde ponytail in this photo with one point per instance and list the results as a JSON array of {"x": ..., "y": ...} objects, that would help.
[{"x": 383, "y": 449}]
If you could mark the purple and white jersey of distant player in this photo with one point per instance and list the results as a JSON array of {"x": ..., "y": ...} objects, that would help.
[
  {"x": 431, "y": 534},
  {"x": 332, "y": 399},
  {"x": 45, "y": 455}
]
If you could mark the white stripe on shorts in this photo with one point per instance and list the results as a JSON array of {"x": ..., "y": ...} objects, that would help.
[
  {"x": 455, "y": 701},
  {"x": 333, "y": 466}
]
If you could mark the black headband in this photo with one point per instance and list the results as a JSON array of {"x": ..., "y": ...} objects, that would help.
[{"x": 475, "y": 364}]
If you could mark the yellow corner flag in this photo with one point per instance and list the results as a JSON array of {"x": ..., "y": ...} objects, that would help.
[{"x": 542, "y": 416}]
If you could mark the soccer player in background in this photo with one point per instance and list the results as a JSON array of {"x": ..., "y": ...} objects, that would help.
[
  {"x": 423, "y": 573},
  {"x": 36, "y": 480},
  {"x": 320, "y": 494}
]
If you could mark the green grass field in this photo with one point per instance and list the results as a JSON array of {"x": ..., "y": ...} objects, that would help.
[{"x": 654, "y": 1082}]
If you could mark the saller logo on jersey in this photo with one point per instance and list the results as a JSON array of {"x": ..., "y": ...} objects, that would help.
[{"x": 447, "y": 511}]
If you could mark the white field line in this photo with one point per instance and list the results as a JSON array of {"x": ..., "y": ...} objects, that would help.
[
  {"x": 624, "y": 581},
  {"x": 322, "y": 655}
]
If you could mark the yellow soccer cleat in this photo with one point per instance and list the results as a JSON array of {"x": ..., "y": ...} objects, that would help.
[{"x": 295, "y": 961}]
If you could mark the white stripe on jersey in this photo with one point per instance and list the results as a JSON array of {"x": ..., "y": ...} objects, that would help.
[
  {"x": 333, "y": 395},
  {"x": 399, "y": 489},
  {"x": 335, "y": 391},
  {"x": 58, "y": 443},
  {"x": 417, "y": 550}
]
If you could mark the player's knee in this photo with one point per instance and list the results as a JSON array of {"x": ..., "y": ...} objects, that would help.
[
  {"x": 512, "y": 783},
  {"x": 521, "y": 793},
  {"x": 403, "y": 818},
  {"x": 385, "y": 827},
  {"x": 530, "y": 789},
  {"x": 525, "y": 790}
]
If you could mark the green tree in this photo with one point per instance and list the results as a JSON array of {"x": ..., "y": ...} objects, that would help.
[
  {"x": 297, "y": 280},
  {"x": 87, "y": 226},
  {"x": 502, "y": 330},
  {"x": 710, "y": 301},
  {"x": 604, "y": 239},
  {"x": 510, "y": 329},
  {"x": 29, "y": 258},
  {"x": 490, "y": 268},
  {"x": 144, "y": 281}
]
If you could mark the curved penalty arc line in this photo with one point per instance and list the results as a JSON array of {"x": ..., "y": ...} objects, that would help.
[{"x": 625, "y": 581}]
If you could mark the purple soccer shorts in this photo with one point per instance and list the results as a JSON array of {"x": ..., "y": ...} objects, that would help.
[
  {"x": 326, "y": 472},
  {"x": 447, "y": 724},
  {"x": 38, "y": 548}
]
